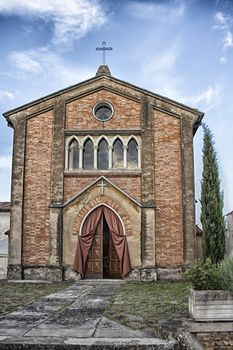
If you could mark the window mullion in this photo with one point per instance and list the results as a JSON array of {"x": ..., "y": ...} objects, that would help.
[
  {"x": 95, "y": 156},
  {"x": 80, "y": 157},
  {"x": 110, "y": 148},
  {"x": 125, "y": 148},
  {"x": 67, "y": 158}
]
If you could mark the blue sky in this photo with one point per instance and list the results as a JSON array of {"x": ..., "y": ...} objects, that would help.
[{"x": 179, "y": 49}]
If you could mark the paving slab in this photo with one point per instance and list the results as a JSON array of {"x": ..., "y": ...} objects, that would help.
[{"x": 73, "y": 319}]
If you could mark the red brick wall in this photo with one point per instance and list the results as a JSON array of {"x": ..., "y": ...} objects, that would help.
[
  {"x": 74, "y": 184},
  {"x": 37, "y": 189},
  {"x": 126, "y": 112},
  {"x": 168, "y": 191}
]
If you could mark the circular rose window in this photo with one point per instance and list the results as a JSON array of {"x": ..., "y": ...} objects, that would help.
[{"x": 103, "y": 111}]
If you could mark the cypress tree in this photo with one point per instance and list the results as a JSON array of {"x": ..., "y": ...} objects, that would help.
[{"x": 212, "y": 219}]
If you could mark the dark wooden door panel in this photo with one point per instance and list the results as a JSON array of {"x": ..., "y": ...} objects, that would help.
[
  {"x": 94, "y": 266},
  {"x": 114, "y": 261},
  {"x": 98, "y": 256}
]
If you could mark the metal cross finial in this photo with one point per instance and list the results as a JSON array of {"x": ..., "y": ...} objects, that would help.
[
  {"x": 104, "y": 48},
  {"x": 102, "y": 185}
]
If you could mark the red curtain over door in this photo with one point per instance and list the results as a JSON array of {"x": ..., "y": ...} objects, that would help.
[{"x": 85, "y": 240}]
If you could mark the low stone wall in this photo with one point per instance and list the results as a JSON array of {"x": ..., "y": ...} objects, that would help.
[
  {"x": 217, "y": 340},
  {"x": 213, "y": 335},
  {"x": 185, "y": 340},
  {"x": 3, "y": 266},
  {"x": 211, "y": 305}
]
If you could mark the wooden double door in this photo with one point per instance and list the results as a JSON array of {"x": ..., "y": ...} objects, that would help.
[{"x": 102, "y": 260}]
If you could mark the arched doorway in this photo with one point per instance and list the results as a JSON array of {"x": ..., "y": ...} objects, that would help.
[{"x": 102, "y": 250}]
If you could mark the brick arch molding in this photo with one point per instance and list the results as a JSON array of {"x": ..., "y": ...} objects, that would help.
[{"x": 80, "y": 218}]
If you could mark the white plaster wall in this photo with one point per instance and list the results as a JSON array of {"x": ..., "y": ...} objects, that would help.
[
  {"x": 4, "y": 226},
  {"x": 4, "y": 223},
  {"x": 229, "y": 235}
]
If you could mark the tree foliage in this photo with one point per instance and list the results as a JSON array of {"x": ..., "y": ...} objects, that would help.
[{"x": 212, "y": 219}]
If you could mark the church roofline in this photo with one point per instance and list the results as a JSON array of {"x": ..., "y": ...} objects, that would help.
[{"x": 105, "y": 75}]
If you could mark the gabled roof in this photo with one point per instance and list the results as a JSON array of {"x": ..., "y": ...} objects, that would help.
[
  {"x": 103, "y": 72},
  {"x": 5, "y": 206}
]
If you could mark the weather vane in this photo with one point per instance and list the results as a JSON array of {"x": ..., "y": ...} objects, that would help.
[{"x": 103, "y": 49}]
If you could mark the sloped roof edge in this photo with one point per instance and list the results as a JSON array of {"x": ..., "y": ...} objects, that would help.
[
  {"x": 122, "y": 82},
  {"x": 5, "y": 206}
]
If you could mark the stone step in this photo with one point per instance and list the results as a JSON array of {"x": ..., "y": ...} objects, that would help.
[{"x": 88, "y": 343}]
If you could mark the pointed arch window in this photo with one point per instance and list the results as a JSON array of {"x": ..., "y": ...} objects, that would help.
[
  {"x": 88, "y": 155},
  {"x": 73, "y": 154},
  {"x": 132, "y": 154},
  {"x": 118, "y": 154},
  {"x": 103, "y": 155}
]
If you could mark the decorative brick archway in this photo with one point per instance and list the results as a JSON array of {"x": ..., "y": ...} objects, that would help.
[{"x": 95, "y": 203}]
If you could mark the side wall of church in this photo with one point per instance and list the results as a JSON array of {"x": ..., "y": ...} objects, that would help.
[
  {"x": 37, "y": 184},
  {"x": 168, "y": 190}
]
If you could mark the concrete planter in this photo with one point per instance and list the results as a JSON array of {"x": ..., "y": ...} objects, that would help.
[{"x": 211, "y": 305}]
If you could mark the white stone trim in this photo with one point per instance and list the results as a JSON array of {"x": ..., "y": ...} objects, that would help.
[
  {"x": 100, "y": 103},
  {"x": 96, "y": 140}
]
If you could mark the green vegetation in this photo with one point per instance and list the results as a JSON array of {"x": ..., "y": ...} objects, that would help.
[
  {"x": 143, "y": 305},
  {"x": 207, "y": 276},
  {"x": 226, "y": 273},
  {"x": 14, "y": 295},
  {"x": 212, "y": 219},
  {"x": 203, "y": 275}
]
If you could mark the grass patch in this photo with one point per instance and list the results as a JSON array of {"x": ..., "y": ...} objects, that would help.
[
  {"x": 13, "y": 295},
  {"x": 142, "y": 305}
]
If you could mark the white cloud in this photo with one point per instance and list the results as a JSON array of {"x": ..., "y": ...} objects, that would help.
[
  {"x": 228, "y": 40},
  {"x": 25, "y": 61},
  {"x": 221, "y": 20},
  {"x": 159, "y": 71},
  {"x": 164, "y": 61},
  {"x": 206, "y": 99},
  {"x": 7, "y": 94},
  {"x": 71, "y": 19},
  {"x": 161, "y": 12},
  {"x": 47, "y": 66},
  {"x": 223, "y": 23}
]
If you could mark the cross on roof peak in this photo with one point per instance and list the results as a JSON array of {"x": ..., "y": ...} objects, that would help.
[{"x": 103, "y": 49}]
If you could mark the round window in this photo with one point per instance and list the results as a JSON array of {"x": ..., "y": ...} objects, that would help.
[{"x": 103, "y": 111}]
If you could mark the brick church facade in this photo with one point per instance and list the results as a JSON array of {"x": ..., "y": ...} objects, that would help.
[{"x": 102, "y": 169}]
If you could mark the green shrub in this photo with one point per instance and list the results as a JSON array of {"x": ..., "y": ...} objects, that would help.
[
  {"x": 203, "y": 275},
  {"x": 225, "y": 270},
  {"x": 207, "y": 276}
]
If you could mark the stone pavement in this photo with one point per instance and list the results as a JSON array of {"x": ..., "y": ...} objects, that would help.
[{"x": 72, "y": 319}]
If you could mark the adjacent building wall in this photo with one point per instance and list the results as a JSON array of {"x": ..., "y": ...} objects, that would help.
[
  {"x": 4, "y": 226},
  {"x": 229, "y": 235}
]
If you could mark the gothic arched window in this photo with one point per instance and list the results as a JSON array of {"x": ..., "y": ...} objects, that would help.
[
  {"x": 118, "y": 154},
  {"x": 102, "y": 156},
  {"x": 132, "y": 154},
  {"x": 88, "y": 155},
  {"x": 73, "y": 154}
]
